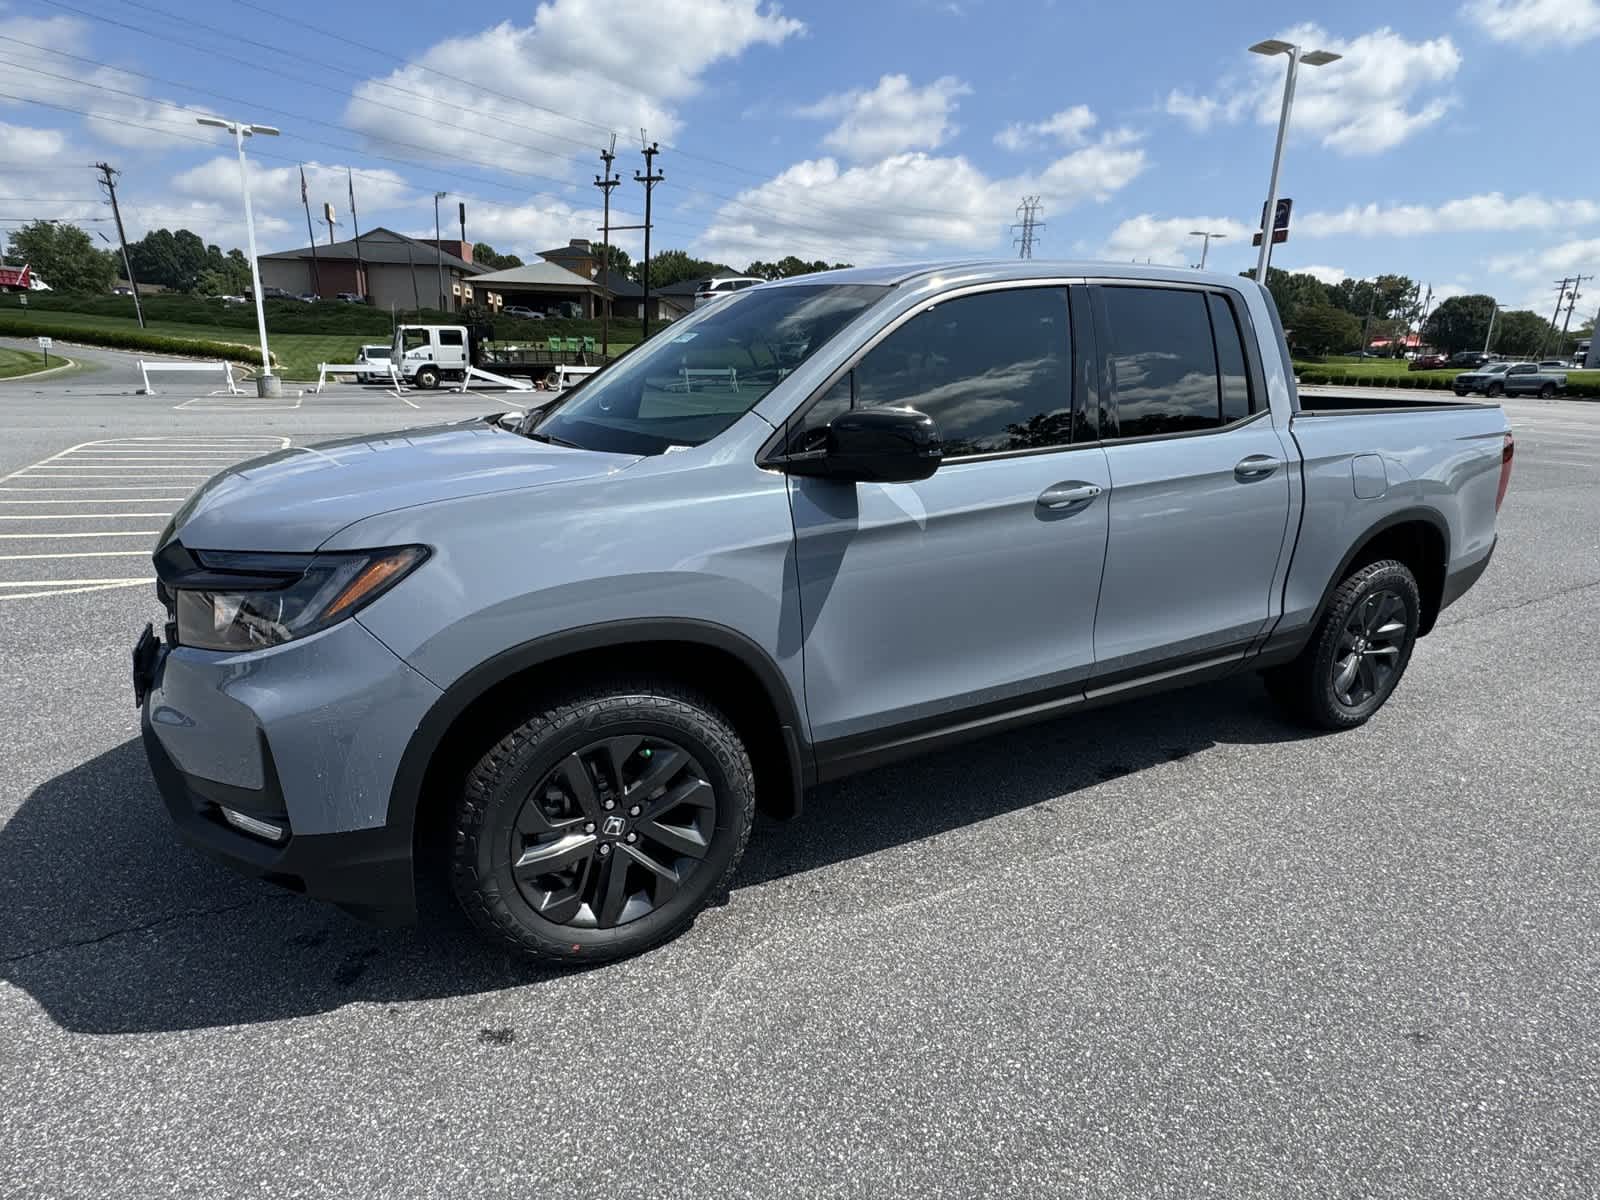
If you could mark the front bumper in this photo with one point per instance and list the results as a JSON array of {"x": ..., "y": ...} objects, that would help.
[
  {"x": 307, "y": 737},
  {"x": 367, "y": 872}
]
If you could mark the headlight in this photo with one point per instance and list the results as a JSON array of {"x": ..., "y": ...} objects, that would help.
[{"x": 249, "y": 601}]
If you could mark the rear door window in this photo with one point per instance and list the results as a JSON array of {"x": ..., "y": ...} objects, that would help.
[
  {"x": 449, "y": 337},
  {"x": 1162, "y": 360},
  {"x": 1236, "y": 399}
]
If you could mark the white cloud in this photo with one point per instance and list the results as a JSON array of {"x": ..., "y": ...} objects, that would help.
[
  {"x": 1324, "y": 274},
  {"x": 1167, "y": 240},
  {"x": 607, "y": 64},
  {"x": 1536, "y": 24},
  {"x": 1383, "y": 91},
  {"x": 1577, "y": 256},
  {"x": 544, "y": 221},
  {"x": 130, "y": 118},
  {"x": 1489, "y": 212},
  {"x": 1069, "y": 127},
  {"x": 891, "y": 117},
  {"x": 279, "y": 187},
  {"x": 907, "y": 205}
]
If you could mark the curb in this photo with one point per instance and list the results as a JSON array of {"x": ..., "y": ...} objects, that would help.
[{"x": 66, "y": 365}]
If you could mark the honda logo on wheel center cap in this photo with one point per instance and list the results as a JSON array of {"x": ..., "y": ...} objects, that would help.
[{"x": 612, "y": 827}]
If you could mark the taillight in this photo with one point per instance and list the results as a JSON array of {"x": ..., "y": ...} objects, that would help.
[{"x": 1506, "y": 453}]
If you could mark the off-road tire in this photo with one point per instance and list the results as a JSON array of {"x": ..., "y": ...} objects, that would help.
[
  {"x": 497, "y": 786},
  {"x": 1305, "y": 687}
]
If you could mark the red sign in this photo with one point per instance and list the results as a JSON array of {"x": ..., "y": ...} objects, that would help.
[{"x": 16, "y": 277}]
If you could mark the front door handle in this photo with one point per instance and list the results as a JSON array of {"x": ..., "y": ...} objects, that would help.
[
  {"x": 1068, "y": 495},
  {"x": 1257, "y": 466}
]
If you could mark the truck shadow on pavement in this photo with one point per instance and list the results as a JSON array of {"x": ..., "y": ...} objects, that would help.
[{"x": 113, "y": 926}]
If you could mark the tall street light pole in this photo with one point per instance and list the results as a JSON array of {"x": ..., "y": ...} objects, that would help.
[
  {"x": 438, "y": 251},
  {"x": 267, "y": 384},
  {"x": 1205, "y": 245},
  {"x": 1297, "y": 55}
]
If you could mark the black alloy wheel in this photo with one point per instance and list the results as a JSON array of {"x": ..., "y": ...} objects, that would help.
[
  {"x": 1369, "y": 648},
  {"x": 602, "y": 822},
  {"x": 612, "y": 832}
]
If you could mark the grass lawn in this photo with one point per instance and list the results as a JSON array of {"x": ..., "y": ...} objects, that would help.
[
  {"x": 297, "y": 354},
  {"x": 22, "y": 362}
]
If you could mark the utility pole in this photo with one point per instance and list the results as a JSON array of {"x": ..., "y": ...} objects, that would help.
[
  {"x": 1028, "y": 223},
  {"x": 1572, "y": 300},
  {"x": 1489, "y": 333},
  {"x": 650, "y": 178},
  {"x": 1561, "y": 297},
  {"x": 361, "y": 267},
  {"x": 110, "y": 184},
  {"x": 605, "y": 183},
  {"x": 305, "y": 203},
  {"x": 1422, "y": 315},
  {"x": 438, "y": 254}
]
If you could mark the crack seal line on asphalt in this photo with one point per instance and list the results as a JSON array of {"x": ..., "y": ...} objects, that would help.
[{"x": 146, "y": 926}]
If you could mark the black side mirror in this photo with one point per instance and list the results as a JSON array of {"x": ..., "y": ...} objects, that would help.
[{"x": 873, "y": 445}]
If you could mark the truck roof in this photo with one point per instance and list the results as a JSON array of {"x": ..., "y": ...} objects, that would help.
[{"x": 979, "y": 270}]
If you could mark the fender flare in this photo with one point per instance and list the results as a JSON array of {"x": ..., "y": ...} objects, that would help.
[
  {"x": 1406, "y": 516},
  {"x": 405, "y": 794}
]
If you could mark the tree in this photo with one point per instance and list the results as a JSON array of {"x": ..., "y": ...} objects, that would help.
[
  {"x": 173, "y": 260},
  {"x": 64, "y": 257},
  {"x": 1521, "y": 334},
  {"x": 1293, "y": 292},
  {"x": 1319, "y": 329},
  {"x": 1384, "y": 298},
  {"x": 485, "y": 254},
  {"x": 225, "y": 275},
  {"x": 619, "y": 260},
  {"x": 674, "y": 266},
  {"x": 788, "y": 267},
  {"x": 1459, "y": 323}
]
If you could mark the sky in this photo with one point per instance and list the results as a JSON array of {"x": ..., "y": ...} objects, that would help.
[{"x": 1455, "y": 142}]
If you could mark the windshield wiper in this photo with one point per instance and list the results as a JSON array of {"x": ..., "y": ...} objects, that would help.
[{"x": 553, "y": 440}]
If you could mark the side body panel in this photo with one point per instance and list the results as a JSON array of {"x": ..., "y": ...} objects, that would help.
[{"x": 920, "y": 599}]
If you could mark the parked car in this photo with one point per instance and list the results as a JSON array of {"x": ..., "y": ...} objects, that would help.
[
  {"x": 1469, "y": 358},
  {"x": 715, "y": 289},
  {"x": 352, "y": 297},
  {"x": 308, "y": 297},
  {"x": 380, "y": 355},
  {"x": 277, "y": 293},
  {"x": 521, "y": 313},
  {"x": 1510, "y": 379},
  {"x": 510, "y": 650},
  {"x": 1428, "y": 362}
]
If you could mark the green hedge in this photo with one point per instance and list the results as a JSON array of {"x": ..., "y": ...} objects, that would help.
[
  {"x": 132, "y": 339},
  {"x": 292, "y": 316},
  {"x": 1584, "y": 389}
]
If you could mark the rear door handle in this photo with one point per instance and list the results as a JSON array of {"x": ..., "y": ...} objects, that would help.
[
  {"x": 1068, "y": 495},
  {"x": 1257, "y": 466}
]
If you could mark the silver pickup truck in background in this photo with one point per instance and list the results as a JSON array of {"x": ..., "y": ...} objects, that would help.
[
  {"x": 1511, "y": 379},
  {"x": 820, "y": 525}
]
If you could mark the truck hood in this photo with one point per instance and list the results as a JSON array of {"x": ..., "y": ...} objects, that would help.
[{"x": 295, "y": 499}]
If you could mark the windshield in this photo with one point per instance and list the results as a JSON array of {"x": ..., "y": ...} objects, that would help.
[
  {"x": 700, "y": 375},
  {"x": 1495, "y": 368}
]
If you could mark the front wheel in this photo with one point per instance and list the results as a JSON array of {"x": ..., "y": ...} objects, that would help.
[
  {"x": 600, "y": 826},
  {"x": 428, "y": 377},
  {"x": 1495, "y": 389},
  {"x": 1461, "y": 392},
  {"x": 1548, "y": 390},
  {"x": 1358, "y": 653}
]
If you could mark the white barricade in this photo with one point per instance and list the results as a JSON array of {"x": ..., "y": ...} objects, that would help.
[
  {"x": 724, "y": 374},
  {"x": 516, "y": 385},
  {"x": 225, "y": 367},
  {"x": 326, "y": 369}
]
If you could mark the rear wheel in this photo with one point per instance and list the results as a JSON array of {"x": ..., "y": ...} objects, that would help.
[
  {"x": 1358, "y": 653},
  {"x": 1461, "y": 391},
  {"x": 428, "y": 377},
  {"x": 602, "y": 825}
]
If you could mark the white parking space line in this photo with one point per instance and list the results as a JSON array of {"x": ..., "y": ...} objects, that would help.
[{"x": 82, "y": 507}]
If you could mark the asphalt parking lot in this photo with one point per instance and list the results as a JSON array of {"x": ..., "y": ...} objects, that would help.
[{"x": 1174, "y": 949}]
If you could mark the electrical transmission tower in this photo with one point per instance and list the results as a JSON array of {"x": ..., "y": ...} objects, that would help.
[{"x": 1028, "y": 225}]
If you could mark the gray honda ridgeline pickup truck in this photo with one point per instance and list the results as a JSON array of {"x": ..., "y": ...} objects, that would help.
[{"x": 814, "y": 527}]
